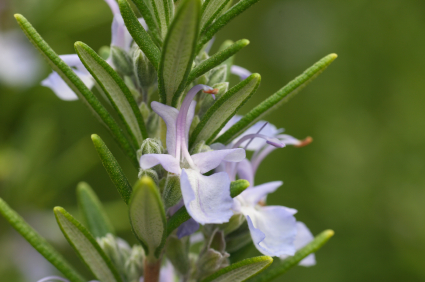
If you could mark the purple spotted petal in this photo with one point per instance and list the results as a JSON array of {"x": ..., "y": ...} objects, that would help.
[
  {"x": 187, "y": 228},
  {"x": 273, "y": 230},
  {"x": 255, "y": 194},
  {"x": 207, "y": 161},
  {"x": 207, "y": 198},
  {"x": 168, "y": 162},
  {"x": 169, "y": 115}
]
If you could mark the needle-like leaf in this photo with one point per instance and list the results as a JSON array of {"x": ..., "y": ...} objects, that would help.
[
  {"x": 75, "y": 83},
  {"x": 276, "y": 100},
  {"x": 39, "y": 243}
]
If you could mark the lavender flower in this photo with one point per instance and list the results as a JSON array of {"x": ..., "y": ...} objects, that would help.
[{"x": 207, "y": 198}]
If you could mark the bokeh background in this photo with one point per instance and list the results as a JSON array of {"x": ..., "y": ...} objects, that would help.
[{"x": 363, "y": 176}]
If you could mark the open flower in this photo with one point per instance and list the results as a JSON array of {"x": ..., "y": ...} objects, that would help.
[
  {"x": 207, "y": 198},
  {"x": 303, "y": 237}
]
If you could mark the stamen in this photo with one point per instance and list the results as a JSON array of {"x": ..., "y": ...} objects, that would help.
[
  {"x": 270, "y": 140},
  {"x": 240, "y": 71},
  {"x": 304, "y": 142}
]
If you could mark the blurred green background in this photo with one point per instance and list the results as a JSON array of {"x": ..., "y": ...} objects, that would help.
[{"x": 363, "y": 176}]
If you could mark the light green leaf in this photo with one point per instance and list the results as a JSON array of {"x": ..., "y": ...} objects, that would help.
[
  {"x": 147, "y": 15},
  {"x": 224, "y": 19},
  {"x": 240, "y": 271},
  {"x": 86, "y": 246},
  {"x": 217, "y": 59},
  {"x": 279, "y": 267},
  {"x": 139, "y": 34},
  {"x": 92, "y": 211},
  {"x": 181, "y": 216},
  {"x": 116, "y": 90},
  {"x": 147, "y": 216},
  {"x": 276, "y": 100},
  {"x": 39, "y": 243},
  {"x": 112, "y": 168},
  {"x": 178, "y": 52},
  {"x": 163, "y": 11},
  {"x": 224, "y": 109},
  {"x": 210, "y": 10},
  {"x": 75, "y": 83}
]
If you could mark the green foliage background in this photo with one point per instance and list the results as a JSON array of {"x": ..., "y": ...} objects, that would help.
[{"x": 363, "y": 175}]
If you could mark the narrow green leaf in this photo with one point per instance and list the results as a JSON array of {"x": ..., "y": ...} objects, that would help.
[
  {"x": 178, "y": 52},
  {"x": 86, "y": 247},
  {"x": 279, "y": 267},
  {"x": 217, "y": 59},
  {"x": 139, "y": 34},
  {"x": 276, "y": 100},
  {"x": 238, "y": 186},
  {"x": 112, "y": 168},
  {"x": 74, "y": 82},
  {"x": 147, "y": 15},
  {"x": 116, "y": 90},
  {"x": 163, "y": 12},
  {"x": 224, "y": 109},
  {"x": 92, "y": 211},
  {"x": 147, "y": 216},
  {"x": 181, "y": 216},
  {"x": 210, "y": 10},
  {"x": 224, "y": 19},
  {"x": 39, "y": 243},
  {"x": 240, "y": 271}
]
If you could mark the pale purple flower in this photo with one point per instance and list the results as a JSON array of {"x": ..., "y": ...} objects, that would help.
[
  {"x": 57, "y": 278},
  {"x": 240, "y": 71},
  {"x": 303, "y": 237},
  {"x": 207, "y": 198}
]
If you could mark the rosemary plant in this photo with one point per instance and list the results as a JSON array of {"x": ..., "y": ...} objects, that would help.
[{"x": 196, "y": 203}]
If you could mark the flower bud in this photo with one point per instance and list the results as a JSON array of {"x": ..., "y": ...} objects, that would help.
[
  {"x": 208, "y": 101},
  {"x": 151, "y": 173},
  {"x": 134, "y": 264},
  {"x": 116, "y": 249},
  {"x": 104, "y": 52},
  {"x": 121, "y": 61},
  {"x": 171, "y": 194},
  {"x": 217, "y": 75},
  {"x": 144, "y": 70},
  {"x": 150, "y": 146}
]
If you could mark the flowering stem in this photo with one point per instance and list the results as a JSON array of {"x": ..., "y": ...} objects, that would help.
[{"x": 151, "y": 270}]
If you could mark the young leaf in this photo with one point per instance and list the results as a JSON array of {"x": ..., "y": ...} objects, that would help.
[
  {"x": 147, "y": 216},
  {"x": 217, "y": 59},
  {"x": 276, "y": 100},
  {"x": 210, "y": 10},
  {"x": 181, "y": 216},
  {"x": 139, "y": 34},
  {"x": 112, "y": 168},
  {"x": 224, "y": 109},
  {"x": 224, "y": 19},
  {"x": 147, "y": 15},
  {"x": 178, "y": 52},
  {"x": 39, "y": 243},
  {"x": 86, "y": 247},
  {"x": 92, "y": 211},
  {"x": 280, "y": 267},
  {"x": 74, "y": 82},
  {"x": 116, "y": 90},
  {"x": 240, "y": 271}
]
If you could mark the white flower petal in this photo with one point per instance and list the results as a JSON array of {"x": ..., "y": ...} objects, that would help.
[
  {"x": 169, "y": 115},
  {"x": 61, "y": 89},
  {"x": 207, "y": 161},
  {"x": 114, "y": 6},
  {"x": 168, "y": 162},
  {"x": 245, "y": 171},
  {"x": 207, "y": 198},
  {"x": 243, "y": 73},
  {"x": 303, "y": 237},
  {"x": 255, "y": 194},
  {"x": 273, "y": 230},
  {"x": 120, "y": 35}
]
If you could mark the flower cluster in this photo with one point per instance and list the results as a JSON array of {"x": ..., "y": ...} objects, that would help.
[{"x": 196, "y": 203}]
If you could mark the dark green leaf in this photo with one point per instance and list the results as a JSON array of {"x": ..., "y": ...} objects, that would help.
[
  {"x": 74, "y": 82},
  {"x": 39, "y": 243},
  {"x": 92, "y": 211},
  {"x": 178, "y": 52},
  {"x": 276, "y": 100},
  {"x": 224, "y": 109},
  {"x": 210, "y": 10},
  {"x": 147, "y": 15},
  {"x": 113, "y": 168}
]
